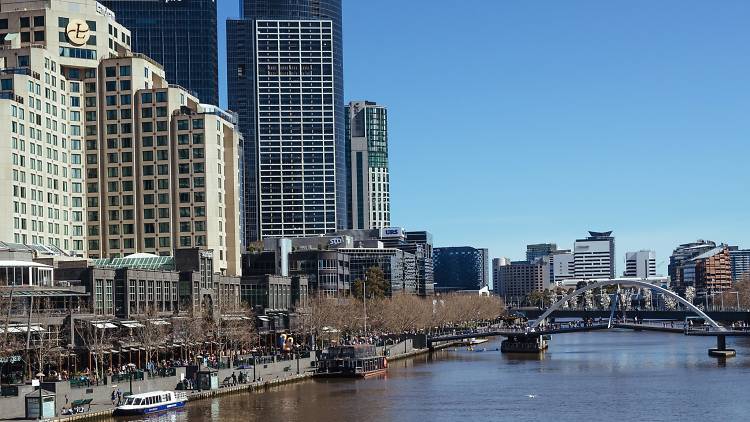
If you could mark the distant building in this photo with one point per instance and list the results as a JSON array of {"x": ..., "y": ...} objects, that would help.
[
  {"x": 641, "y": 264},
  {"x": 709, "y": 272},
  {"x": 367, "y": 141},
  {"x": 399, "y": 267},
  {"x": 522, "y": 277},
  {"x": 562, "y": 266},
  {"x": 684, "y": 253},
  {"x": 460, "y": 268},
  {"x": 497, "y": 287},
  {"x": 595, "y": 256},
  {"x": 539, "y": 250},
  {"x": 417, "y": 243},
  {"x": 326, "y": 271},
  {"x": 740, "y": 263}
]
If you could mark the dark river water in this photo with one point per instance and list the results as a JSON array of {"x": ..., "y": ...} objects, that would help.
[{"x": 597, "y": 376}]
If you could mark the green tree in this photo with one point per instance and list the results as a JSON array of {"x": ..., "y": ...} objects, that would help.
[
  {"x": 375, "y": 285},
  {"x": 535, "y": 298}
]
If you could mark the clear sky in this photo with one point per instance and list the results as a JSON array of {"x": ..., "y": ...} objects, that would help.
[{"x": 515, "y": 122}]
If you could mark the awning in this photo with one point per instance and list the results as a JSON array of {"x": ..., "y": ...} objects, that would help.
[
  {"x": 159, "y": 322},
  {"x": 104, "y": 325},
  {"x": 263, "y": 318},
  {"x": 131, "y": 324}
]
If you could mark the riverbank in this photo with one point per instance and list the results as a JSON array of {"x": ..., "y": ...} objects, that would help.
[{"x": 271, "y": 378}]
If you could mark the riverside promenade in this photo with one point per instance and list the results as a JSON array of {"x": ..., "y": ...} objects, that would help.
[{"x": 267, "y": 375}]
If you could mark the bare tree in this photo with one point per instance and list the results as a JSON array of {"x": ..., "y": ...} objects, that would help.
[
  {"x": 238, "y": 330},
  {"x": 193, "y": 331},
  {"x": 98, "y": 338},
  {"x": 10, "y": 342},
  {"x": 152, "y": 333}
]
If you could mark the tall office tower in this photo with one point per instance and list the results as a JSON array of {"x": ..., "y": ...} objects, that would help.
[
  {"x": 684, "y": 253},
  {"x": 460, "y": 268},
  {"x": 539, "y": 250},
  {"x": 180, "y": 35},
  {"x": 285, "y": 80},
  {"x": 367, "y": 143},
  {"x": 641, "y": 264},
  {"x": 122, "y": 161},
  {"x": 595, "y": 256}
]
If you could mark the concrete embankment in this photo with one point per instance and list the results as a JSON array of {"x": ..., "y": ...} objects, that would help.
[{"x": 271, "y": 378}]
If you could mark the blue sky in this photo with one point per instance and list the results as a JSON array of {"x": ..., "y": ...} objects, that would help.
[{"x": 515, "y": 122}]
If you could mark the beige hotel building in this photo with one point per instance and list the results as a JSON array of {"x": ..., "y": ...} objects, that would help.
[{"x": 99, "y": 154}]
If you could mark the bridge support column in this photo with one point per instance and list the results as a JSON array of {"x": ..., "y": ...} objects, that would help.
[{"x": 721, "y": 348}]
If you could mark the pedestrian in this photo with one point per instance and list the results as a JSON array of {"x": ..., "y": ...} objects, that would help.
[
  {"x": 114, "y": 397},
  {"x": 234, "y": 379},
  {"x": 119, "y": 397}
]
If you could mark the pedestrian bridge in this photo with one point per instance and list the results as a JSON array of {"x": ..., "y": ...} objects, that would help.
[
  {"x": 541, "y": 327},
  {"x": 597, "y": 284}
]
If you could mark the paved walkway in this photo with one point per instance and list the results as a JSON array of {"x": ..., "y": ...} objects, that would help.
[{"x": 13, "y": 408}]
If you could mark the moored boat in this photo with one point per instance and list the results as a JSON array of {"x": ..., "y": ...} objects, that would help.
[
  {"x": 152, "y": 402},
  {"x": 358, "y": 361}
]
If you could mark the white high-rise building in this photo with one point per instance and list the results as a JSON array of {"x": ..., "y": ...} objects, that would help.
[
  {"x": 296, "y": 127},
  {"x": 641, "y": 264},
  {"x": 594, "y": 256},
  {"x": 563, "y": 266}
]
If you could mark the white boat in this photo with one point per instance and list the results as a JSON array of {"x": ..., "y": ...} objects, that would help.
[
  {"x": 475, "y": 341},
  {"x": 152, "y": 402}
]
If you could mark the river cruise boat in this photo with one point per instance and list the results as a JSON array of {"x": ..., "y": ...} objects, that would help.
[
  {"x": 524, "y": 344},
  {"x": 148, "y": 403},
  {"x": 356, "y": 361}
]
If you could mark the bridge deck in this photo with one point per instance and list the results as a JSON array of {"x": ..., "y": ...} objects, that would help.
[{"x": 592, "y": 327}]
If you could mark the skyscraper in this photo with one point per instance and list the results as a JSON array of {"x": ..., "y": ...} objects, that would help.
[
  {"x": 285, "y": 80},
  {"x": 367, "y": 142},
  {"x": 180, "y": 35},
  {"x": 594, "y": 256}
]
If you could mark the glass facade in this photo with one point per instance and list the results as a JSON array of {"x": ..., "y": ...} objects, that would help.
[
  {"x": 295, "y": 177},
  {"x": 369, "y": 185},
  {"x": 180, "y": 35},
  {"x": 460, "y": 268}
]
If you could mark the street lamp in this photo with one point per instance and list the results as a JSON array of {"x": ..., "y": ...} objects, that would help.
[
  {"x": 364, "y": 303},
  {"x": 40, "y": 375}
]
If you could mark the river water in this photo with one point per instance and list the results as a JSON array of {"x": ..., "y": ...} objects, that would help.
[{"x": 596, "y": 376}]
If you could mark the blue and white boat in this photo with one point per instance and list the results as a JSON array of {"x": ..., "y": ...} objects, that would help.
[{"x": 148, "y": 403}]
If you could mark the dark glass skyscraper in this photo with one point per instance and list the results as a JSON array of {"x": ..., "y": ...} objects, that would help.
[
  {"x": 460, "y": 268},
  {"x": 181, "y": 35},
  {"x": 285, "y": 81}
]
